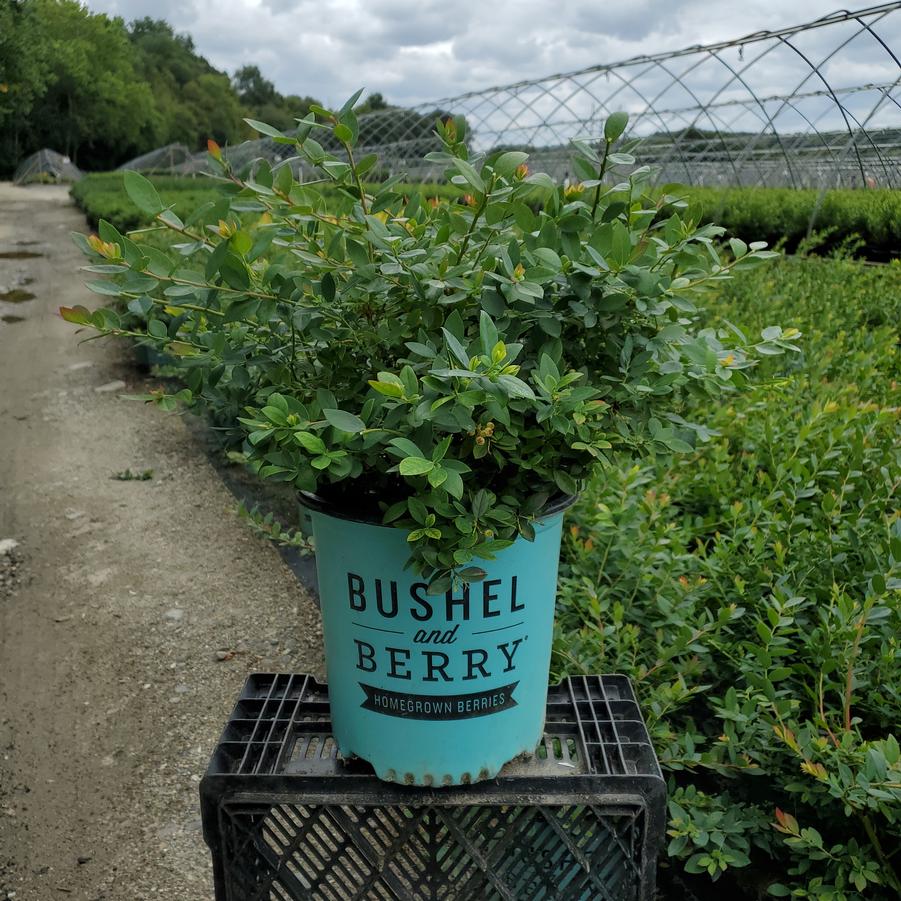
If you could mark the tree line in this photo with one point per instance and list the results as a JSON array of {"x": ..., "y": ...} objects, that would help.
[{"x": 102, "y": 91}]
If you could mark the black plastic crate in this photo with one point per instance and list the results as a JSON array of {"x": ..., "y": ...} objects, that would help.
[{"x": 286, "y": 818}]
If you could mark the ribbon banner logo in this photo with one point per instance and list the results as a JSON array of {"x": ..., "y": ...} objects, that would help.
[{"x": 438, "y": 707}]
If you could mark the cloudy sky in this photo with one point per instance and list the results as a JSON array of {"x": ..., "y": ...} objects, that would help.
[{"x": 420, "y": 50}]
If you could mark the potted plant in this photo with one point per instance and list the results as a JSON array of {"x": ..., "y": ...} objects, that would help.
[{"x": 437, "y": 380}]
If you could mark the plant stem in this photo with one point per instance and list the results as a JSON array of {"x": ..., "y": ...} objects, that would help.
[
  {"x": 597, "y": 190},
  {"x": 353, "y": 168},
  {"x": 223, "y": 288},
  {"x": 184, "y": 306},
  {"x": 475, "y": 218},
  {"x": 486, "y": 242},
  {"x": 889, "y": 871},
  {"x": 822, "y": 707},
  {"x": 184, "y": 231},
  {"x": 849, "y": 677},
  {"x": 292, "y": 365}
]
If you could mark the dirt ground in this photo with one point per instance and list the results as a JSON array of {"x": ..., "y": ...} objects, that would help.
[{"x": 115, "y": 597}]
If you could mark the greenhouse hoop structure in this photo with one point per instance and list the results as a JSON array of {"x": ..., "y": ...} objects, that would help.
[
  {"x": 46, "y": 166},
  {"x": 163, "y": 159},
  {"x": 703, "y": 115}
]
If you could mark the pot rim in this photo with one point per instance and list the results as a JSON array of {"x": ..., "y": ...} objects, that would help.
[{"x": 314, "y": 502}]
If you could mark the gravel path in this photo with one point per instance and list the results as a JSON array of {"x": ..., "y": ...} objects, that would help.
[{"x": 117, "y": 600}]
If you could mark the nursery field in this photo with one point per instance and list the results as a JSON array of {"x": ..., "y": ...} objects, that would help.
[
  {"x": 751, "y": 589},
  {"x": 860, "y": 223}
]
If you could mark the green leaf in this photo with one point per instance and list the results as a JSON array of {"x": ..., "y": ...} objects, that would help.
[
  {"x": 275, "y": 413},
  {"x": 696, "y": 863},
  {"x": 344, "y": 421},
  {"x": 621, "y": 246},
  {"x": 566, "y": 483},
  {"x": 327, "y": 287},
  {"x": 366, "y": 163},
  {"x": 469, "y": 173},
  {"x": 456, "y": 348},
  {"x": 542, "y": 180},
  {"x": 418, "y": 509},
  {"x": 140, "y": 306},
  {"x": 548, "y": 258},
  {"x": 241, "y": 242},
  {"x": 589, "y": 153},
  {"x": 535, "y": 502},
  {"x": 110, "y": 289},
  {"x": 524, "y": 217},
  {"x": 423, "y": 350},
  {"x": 678, "y": 445},
  {"x": 440, "y": 451},
  {"x": 395, "y": 511},
  {"x": 505, "y": 165},
  {"x": 284, "y": 179},
  {"x": 487, "y": 332},
  {"x": 406, "y": 446},
  {"x": 453, "y": 484},
  {"x": 515, "y": 387},
  {"x": 615, "y": 125},
  {"x": 78, "y": 315},
  {"x": 157, "y": 329},
  {"x": 170, "y": 218},
  {"x": 312, "y": 443},
  {"x": 389, "y": 389},
  {"x": 415, "y": 466},
  {"x": 142, "y": 192},
  {"x": 264, "y": 129},
  {"x": 409, "y": 381},
  {"x": 440, "y": 584},
  {"x": 350, "y": 103}
]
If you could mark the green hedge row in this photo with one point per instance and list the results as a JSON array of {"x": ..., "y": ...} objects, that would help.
[
  {"x": 102, "y": 196},
  {"x": 789, "y": 215},
  {"x": 752, "y": 592},
  {"x": 866, "y": 222}
]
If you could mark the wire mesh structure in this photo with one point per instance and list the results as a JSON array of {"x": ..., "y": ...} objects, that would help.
[
  {"x": 709, "y": 114},
  {"x": 705, "y": 115},
  {"x": 163, "y": 159},
  {"x": 46, "y": 166}
]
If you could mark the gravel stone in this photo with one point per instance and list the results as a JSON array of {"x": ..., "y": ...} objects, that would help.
[{"x": 109, "y": 387}]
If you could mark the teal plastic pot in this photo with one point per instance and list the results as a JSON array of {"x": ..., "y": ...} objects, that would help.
[{"x": 434, "y": 690}]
